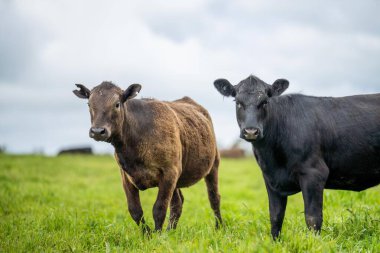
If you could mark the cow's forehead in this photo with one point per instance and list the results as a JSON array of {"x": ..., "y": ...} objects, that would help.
[
  {"x": 251, "y": 85},
  {"x": 250, "y": 97},
  {"x": 106, "y": 88},
  {"x": 105, "y": 93}
]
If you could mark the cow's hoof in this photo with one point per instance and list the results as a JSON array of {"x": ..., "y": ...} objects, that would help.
[{"x": 146, "y": 231}]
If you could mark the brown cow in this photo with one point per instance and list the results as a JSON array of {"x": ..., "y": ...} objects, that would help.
[{"x": 161, "y": 144}]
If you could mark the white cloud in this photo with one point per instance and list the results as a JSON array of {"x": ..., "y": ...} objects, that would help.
[{"x": 173, "y": 49}]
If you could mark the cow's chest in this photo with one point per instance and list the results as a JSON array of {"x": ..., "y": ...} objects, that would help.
[
  {"x": 282, "y": 182},
  {"x": 140, "y": 175},
  {"x": 143, "y": 178},
  {"x": 279, "y": 179}
]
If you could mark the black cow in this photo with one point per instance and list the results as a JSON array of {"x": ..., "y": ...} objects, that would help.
[{"x": 304, "y": 143}]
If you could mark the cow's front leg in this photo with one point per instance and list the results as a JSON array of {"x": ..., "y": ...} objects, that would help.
[
  {"x": 277, "y": 207},
  {"x": 312, "y": 183},
  {"x": 134, "y": 204},
  {"x": 166, "y": 189}
]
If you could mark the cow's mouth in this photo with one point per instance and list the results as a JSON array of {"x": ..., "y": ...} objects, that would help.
[
  {"x": 100, "y": 138},
  {"x": 249, "y": 139}
]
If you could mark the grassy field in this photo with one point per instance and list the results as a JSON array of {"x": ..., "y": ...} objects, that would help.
[{"x": 76, "y": 204}]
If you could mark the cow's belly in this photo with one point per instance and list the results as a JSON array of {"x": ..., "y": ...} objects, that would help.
[
  {"x": 194, "y": 172},
  {"x": 186, "y": 181},
  {"x": 196, "y": 163},
  {"x": 352, "y": 182},
  {"x": 354, "y": 172}
]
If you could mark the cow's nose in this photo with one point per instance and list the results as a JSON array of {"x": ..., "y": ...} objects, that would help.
[
  {"x": 251, "y": 133},
  {"x": 251, "y": 130},
  {"x": 97, "y": 131}
]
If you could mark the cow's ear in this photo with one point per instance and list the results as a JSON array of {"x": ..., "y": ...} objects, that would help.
[
  {"x": 83, "y": 92},
  {"x": 131, "y": 92},
  {"x": 279, "y": 86},
  {"x": 225, "y": 87}
]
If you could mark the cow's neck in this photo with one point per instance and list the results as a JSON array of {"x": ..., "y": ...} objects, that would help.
[
  {"x": 127, "y": 137},
  {"x": 270, "y": 145}
]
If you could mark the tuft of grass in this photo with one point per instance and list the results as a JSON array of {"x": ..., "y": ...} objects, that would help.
[{"x": 76, "y": 204}]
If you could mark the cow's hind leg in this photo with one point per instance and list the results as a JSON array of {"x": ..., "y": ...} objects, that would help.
[
  {"x": 175, "y": 209},
  {"x": 213, "y": 192}
]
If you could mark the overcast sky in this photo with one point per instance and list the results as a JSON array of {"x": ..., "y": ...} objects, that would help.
[{"x": 173, "y": 48}]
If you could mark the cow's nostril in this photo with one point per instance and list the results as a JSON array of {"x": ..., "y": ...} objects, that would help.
[
  {"x": 98, "y": 130},
  {"x": 251, "y": 131}
]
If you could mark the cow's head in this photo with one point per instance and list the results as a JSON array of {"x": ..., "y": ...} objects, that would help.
[
  {"x": 106, "y": 104},
  {"x": 252, "y": 97}
]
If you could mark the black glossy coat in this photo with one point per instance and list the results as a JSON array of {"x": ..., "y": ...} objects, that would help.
[{"x": 308, "y": 143}]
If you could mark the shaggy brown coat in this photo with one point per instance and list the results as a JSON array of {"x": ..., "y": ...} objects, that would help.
[{"x": 161, "y": 144}]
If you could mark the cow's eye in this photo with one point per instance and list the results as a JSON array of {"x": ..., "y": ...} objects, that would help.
[
  {"x": 239, "y": 105},
  {"x": 117, "y": 105},
  {"x": 263, "y": 104}
]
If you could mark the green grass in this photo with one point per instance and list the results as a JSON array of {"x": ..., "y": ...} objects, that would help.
[{"x": 76, "y": 204}]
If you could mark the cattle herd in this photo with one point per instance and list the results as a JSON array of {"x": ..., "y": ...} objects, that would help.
[{"x": 301, "y": 143}]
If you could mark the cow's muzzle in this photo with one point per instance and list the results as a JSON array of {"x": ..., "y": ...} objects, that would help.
[
  {"x": 99, "y": 133},
  {"x": 250, "y": 133}
]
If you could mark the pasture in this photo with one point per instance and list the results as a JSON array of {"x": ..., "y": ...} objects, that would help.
[{"x": 77, "y": 204}]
